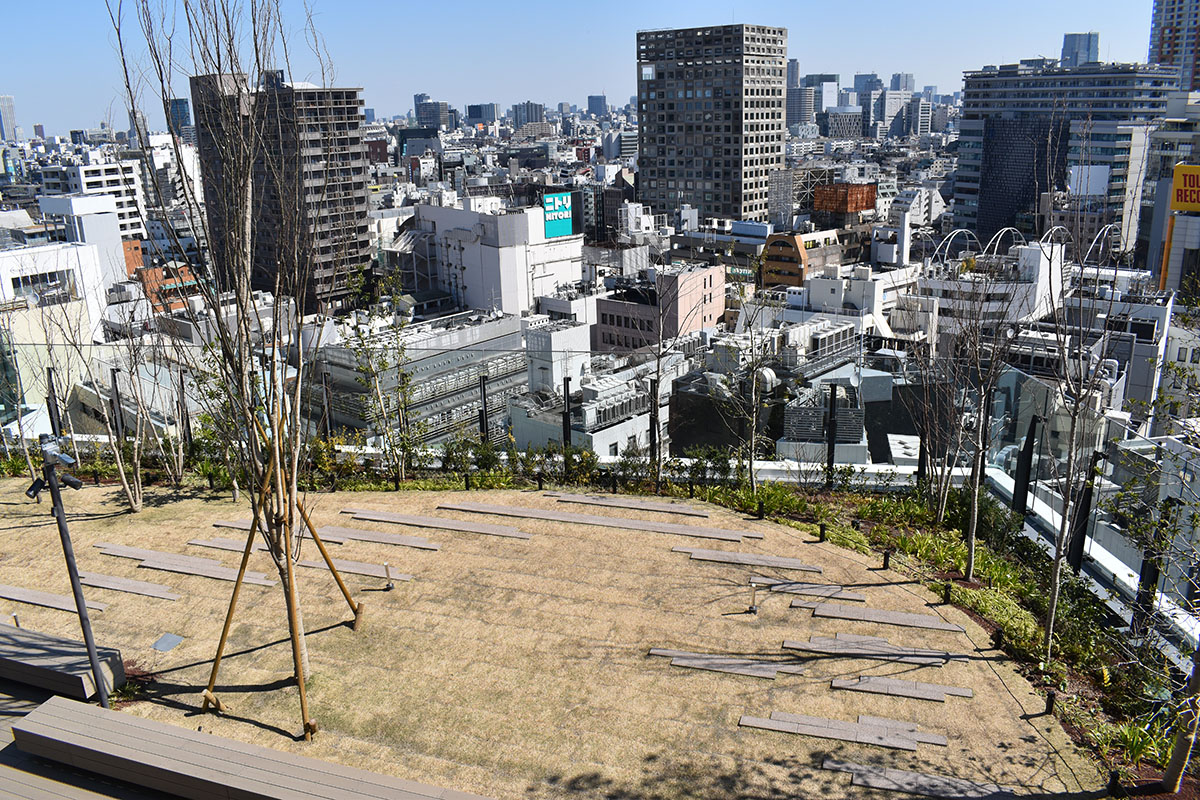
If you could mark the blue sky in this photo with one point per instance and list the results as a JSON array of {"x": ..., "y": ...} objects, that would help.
[{"x": 60, "y": 64}]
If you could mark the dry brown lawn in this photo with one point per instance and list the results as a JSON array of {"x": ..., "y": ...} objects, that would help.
[{"x": 519, "y": 669}]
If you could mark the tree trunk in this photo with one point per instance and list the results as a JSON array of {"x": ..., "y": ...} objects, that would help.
[
  {"x": 1060, "y": 543},
  {"x": 753, "y": 431},
  {"x": 1185, "y": 735},
  {"x": 976, "y": 478}
]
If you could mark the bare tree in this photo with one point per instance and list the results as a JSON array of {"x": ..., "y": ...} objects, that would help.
[{"x": 256, "y": 218}]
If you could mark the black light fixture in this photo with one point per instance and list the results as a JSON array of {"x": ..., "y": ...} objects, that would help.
[{"x": 35, "y": 489}]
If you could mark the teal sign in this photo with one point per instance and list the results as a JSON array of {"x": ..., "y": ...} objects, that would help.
[{"x": 559, "y": 221}]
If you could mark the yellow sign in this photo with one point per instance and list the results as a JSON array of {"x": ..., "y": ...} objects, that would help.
[{"x": 1185, "y": 188}]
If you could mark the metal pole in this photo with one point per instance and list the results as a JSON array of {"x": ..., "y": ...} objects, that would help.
[
  {"x": 52, "y": 404},
  {"x": 117, "y": 411},
  {"x": 566, "y": 418},
  {"x": 51, "y": 475},
  {"x": 831, "y": 437},
  {"x": 654, "y": 430},
  {"x": 483, "y": 409},
  {"x": 327, "y": 399}
]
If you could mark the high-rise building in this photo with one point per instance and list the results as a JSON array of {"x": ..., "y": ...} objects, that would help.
[
  {"x": 903, "y": 82},
  {"x": 482, "y": 113},
  {"x": 419, "y": 98},
  {"x": 1174, "y": 36},
  {"x": 793, "y": 72},
  {"x": 597, "y": 105},
  {"x": 929, "y": 93},
  {"x": 825, "y": 90},
  {"x": 1015, "y": 127},
  {"x": 529, "y": 111},
  {"x": 919, "y": 116},
  {"x": 368, "y": 115},
  {"x": 711, "y": 118},
  {"x": 138, "y": 132},
  {"x": 1079, "y": 49},
  {"x": 865, "y": 82},
  {"x": 181, "y": 115},
  {"x": 312, "y": 164},
  {"x": 432, "y": 114},
  {"x": 39, "y": 131},
  {"x": 8, "y": 118}
]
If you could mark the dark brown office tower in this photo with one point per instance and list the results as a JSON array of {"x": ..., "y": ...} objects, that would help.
[
  {"x": 711, "y": 114},
  {"x": 309, "y": 167}
]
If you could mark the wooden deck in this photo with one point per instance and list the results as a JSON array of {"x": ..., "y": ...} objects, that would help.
[
  {"x": 181, "y": 762},
  {"x": 59, "y": 665}
]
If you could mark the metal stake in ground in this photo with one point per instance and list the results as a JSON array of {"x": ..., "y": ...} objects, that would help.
[{"x": 53, "y": 458}]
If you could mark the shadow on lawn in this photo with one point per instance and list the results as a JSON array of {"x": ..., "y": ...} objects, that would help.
[{"x": 772, "y": 779}]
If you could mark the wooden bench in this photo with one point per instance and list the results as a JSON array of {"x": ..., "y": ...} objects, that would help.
[
  {"x": 184, "y": 763},
  {"x": 60, "y": 665}
]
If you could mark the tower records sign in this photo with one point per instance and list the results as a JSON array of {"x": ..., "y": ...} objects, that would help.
[
  {"x": 1185, "y": 188},
  {"x": 559, "y": 215}
]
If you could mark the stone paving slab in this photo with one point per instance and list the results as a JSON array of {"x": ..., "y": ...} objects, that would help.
[
  {"x": 897, "y": 687},
  {"x": 830, "y": 591},
  {"x": 438, "y": 523},
  {"x": 339, "y": 535},
  {"x": 127, "y": 585},
  {"x": 736, "y": 665},
  {"x": 216, "y": 573},
  {"x": 749, "y": 559},
  {"x": 858, "y": 736},
  {"x": 911, "y": 727},
  {"x": 904, "y": 619},
  {"x": 918, "y": 783},
  {"x": 356, "y": 568},
  {"x": 569, "y": 517},
  {"x": 852, "y": 646},
  {"x": 34, "y": 597},
  {"x": 629, "y": 503}
]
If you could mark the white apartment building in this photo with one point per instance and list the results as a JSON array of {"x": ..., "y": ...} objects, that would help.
[{"x": 490, "y": 257}]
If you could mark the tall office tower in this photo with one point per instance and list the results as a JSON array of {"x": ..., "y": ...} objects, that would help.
[
  {"x": 903, "y": 82},
  {"x": 39, "y": 131},
  {"x": 711, "y": 118},
  {"x": 1015, "y": 128},
  {"x": 793, "y": 72},
  {"x": 597, "y": 105},
  {"x": 138, "y": 132},
  {"x": 1079, "y": 49},
  {"x": 482, "y": 113},
  {"x": 799, "y": 105},
  {"x": 527, "y": 112},
  {"x": 433, "y": 114},
  {"x": 865, "y": 82},
  {"x": 1174, "y": 36},
  {"x": 8, "y": 118},
  {"x": 919, "y": 116},
  {"x": 180, "y": 111},
  {"x": 929, "y": 93},
  {"x": 312, "y": 164},
  {"x": 825, "y": 87},
  {"x": 419, "y": 98},
  {"x": 368, "y": 115}
]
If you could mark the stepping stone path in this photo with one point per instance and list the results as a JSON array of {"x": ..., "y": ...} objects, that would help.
[
  {"x": 440, "y": 523},
  {"x": 900, "y": 688},
  {"x": 919, "y": 783},
  {"x": 628, "y": 503},
  {"x": 827, "y": 590},
  {"x": 868, "y": 730},
  {"x": 749, "y": 559},
  {"x": 735, "y": 665},
  {"x": 571, "y": 518},
  {"x": 902, "y": 618},
  {"x": 852, "y": 646}
]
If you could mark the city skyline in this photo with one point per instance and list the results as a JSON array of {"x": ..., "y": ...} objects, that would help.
[{"x": 58, "y": 96}]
